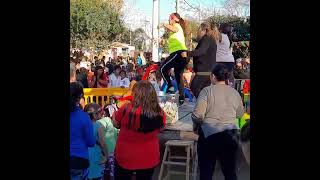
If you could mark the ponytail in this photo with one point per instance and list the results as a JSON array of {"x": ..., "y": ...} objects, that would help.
[
  {"x": 181, "y": 22},
  {"x": 183, "y": 25},
  {"x": 226, "y": 28}
]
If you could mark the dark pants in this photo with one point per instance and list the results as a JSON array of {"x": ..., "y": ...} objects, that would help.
[
  {"x": 176, "y": 61},
  {"x": 198, "y": 83},
  {"x": 125, "y": 174},
  {"x": 230, "y": 67},
  {"x": 222, "y": 146}
]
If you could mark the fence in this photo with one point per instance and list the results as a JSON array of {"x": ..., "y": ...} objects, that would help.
[{"x": 102, "y": 95}]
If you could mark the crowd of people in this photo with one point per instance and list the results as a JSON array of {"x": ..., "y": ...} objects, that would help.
[{"x": 119, "y": 142}]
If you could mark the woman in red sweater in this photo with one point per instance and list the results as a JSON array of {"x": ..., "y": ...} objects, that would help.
[{"x": 137, "y": 150}]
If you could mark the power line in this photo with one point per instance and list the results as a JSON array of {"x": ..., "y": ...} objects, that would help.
[{"x": 191, "y": 6}]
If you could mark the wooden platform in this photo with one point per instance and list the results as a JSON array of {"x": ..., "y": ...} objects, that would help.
[
  {"x": 183, "y": 129},
  {"x": 184, "y": 123}
]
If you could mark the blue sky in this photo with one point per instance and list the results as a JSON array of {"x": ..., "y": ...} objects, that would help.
[
  {"x": 138, "y": 13},
  {"x": 168, "y": 6}
]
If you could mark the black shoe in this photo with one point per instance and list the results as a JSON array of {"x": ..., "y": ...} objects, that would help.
[{"x": 181, "y": 102}]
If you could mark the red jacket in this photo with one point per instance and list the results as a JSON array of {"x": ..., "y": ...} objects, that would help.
[{"x": 136, "y": 150}]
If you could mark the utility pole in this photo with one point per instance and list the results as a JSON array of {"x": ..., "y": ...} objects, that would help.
[
  {"x": 130, "y": 35},
  {"x": 155, "y": 31},
  {"x": 177, "y": 6},
  {"x": 200, "y": 12},
  {"x": 191, "y": 42},
  {"x": 146, "y": 35}
]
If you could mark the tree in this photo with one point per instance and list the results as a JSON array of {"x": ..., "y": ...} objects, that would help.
[
  {"x": 192, "y": 27},
  {"x": 94, "y": 23},
  {"x": 241, "y": 26},
  {"x": 237, "y": 7},
  {"x": 138, "y": 37}
]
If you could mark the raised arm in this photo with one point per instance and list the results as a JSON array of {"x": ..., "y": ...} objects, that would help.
[{"x": 171, "y": 28}]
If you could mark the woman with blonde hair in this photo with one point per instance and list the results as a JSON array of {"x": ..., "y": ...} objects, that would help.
[{"x": 204, "y": 57}]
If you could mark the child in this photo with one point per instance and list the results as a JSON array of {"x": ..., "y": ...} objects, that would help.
[
  {"x": 124, "y": 82},
  {"x": 112, "y": 107},
  {"x": 99, "y": 153},
  {"x": 110, "y": 134},
  {"x": 187, "y": 77}
]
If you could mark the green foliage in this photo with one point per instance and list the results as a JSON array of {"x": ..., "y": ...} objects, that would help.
[
  {"x": 191, "y": 32},
  {"x": 94, "y": 23},
  {"x": 138, "y": 37},
  {"x": 241, "y": 27}
]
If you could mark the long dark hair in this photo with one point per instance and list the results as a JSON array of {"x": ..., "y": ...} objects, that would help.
[
  {"x": 226, "y": 28},
  {"x": 181, "y": 22},
  {"x": 76, "y": 93},
  {"x": 145, "y": 97},
  {"x": 96, "y": 75}
]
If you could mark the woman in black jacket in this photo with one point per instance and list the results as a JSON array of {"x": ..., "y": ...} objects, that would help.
[{"x": 204, "y": 57}]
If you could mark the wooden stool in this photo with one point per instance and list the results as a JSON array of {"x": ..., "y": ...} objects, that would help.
[{"x": 191, "y": 157}]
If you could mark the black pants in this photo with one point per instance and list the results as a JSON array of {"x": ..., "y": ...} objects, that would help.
[
  {"x": 176, "y": 61},
  {"x": 230, "y": 67},
  {"x": 198, "y": 83},
  {"x": 125, "y": 174},
  {"x": 222, "y": 146}
]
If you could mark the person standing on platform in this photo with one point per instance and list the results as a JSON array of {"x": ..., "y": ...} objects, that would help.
[
  {"x": 224, "y": 53},
  {"x": 177, "y": 58},
  {"x": 204, "y": 57}
]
